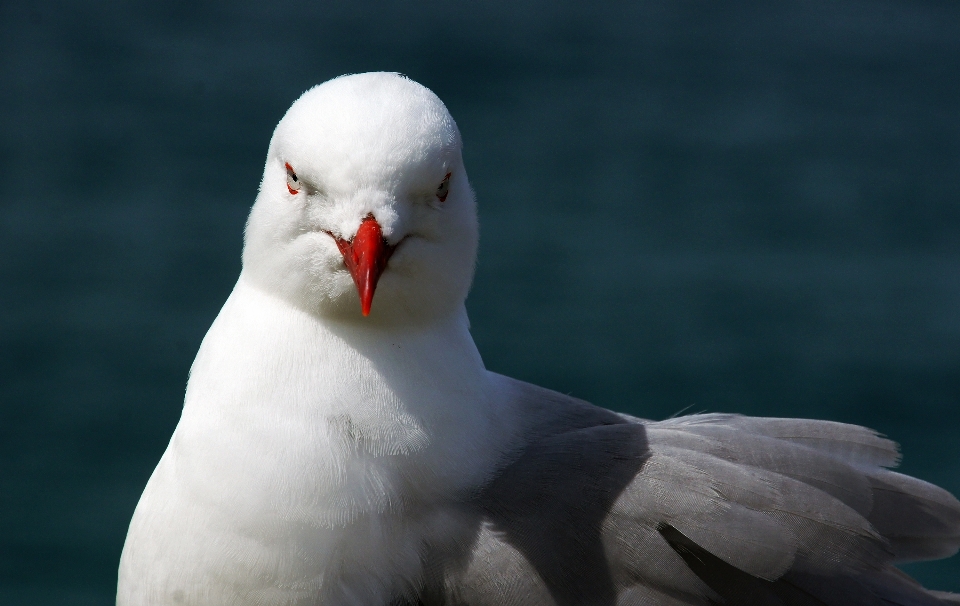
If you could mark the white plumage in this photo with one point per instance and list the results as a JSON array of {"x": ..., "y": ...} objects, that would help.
[{"x": 325, "y": 457}]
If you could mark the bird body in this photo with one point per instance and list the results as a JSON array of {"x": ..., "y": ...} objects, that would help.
[
  {"x": 304, "y": 449},
  {"x": 335, "y": 453}
]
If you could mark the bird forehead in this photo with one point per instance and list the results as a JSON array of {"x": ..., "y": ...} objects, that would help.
[
  {"x": 364, "y": 148},
  {"x": 371, "y": 132},
  {"x": 369, "y": 118}
]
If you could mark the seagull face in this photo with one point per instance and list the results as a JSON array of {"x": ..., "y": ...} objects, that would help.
[{"x": 364, "y": 193}]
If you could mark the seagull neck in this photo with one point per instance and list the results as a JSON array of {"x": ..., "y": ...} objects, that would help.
[
  {"x": 425, "y": 365},
  {"x": 264, "y": 352},
  {"x": 374, "y": 339}
]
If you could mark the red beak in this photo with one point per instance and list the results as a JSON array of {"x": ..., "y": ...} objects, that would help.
[{"x": 366, "y": 257}]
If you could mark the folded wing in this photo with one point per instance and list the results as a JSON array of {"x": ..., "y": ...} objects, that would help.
[{"x": 598, "y": 508}]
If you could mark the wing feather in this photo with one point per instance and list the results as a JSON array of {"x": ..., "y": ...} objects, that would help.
[{"x": 597, "y": 508}]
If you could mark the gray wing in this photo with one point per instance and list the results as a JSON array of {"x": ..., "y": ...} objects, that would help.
[{"x": 598, "y": 508}]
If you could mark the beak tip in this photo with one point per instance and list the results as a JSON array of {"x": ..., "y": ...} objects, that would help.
[{"x": 366, "y": 295}]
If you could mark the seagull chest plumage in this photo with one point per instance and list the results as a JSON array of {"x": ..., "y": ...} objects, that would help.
[
  {"x": 342, "y": 443},
  {"x": 306, "y": 454}
]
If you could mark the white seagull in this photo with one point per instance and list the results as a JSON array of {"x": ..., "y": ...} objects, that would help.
[{"x": 335, "y": 452}]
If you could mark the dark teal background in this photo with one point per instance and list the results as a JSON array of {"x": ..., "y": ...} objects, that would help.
[{"x": 748, "y": 207}]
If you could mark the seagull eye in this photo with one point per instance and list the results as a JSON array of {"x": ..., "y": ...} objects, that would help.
[
  {"x": 293, "y": 184},
  {"x": 444, "y": 188}
]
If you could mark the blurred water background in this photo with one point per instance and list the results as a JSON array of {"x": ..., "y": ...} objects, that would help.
[{"x": 747, "y": 207}]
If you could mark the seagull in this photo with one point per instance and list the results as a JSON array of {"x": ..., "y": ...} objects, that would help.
[{"x": 341, "y": 442}]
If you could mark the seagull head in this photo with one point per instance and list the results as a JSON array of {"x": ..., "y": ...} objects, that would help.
[{"x": 365, "y": 208}]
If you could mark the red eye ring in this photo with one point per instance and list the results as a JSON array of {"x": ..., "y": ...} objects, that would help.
[
  {"x": 444, "y": 189},
  {"x": 292, "y": 180}
]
